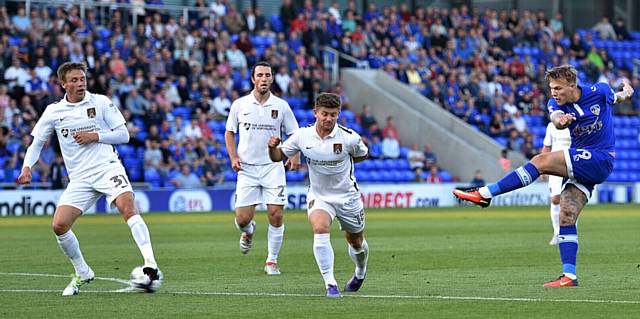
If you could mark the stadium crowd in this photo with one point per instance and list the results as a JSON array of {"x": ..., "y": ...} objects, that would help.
[{"x": 175, "y": 79}]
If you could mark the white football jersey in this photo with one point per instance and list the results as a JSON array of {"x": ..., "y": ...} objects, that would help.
[
  {"x": 330, "y": 160},
  {"x": 557, "y": 139},
  {"x": 256, "y": 123},
  {"x": 95, "y": 113}
]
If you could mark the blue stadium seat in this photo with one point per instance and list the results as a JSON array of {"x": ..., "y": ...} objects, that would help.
[
  {"x": 125, "y": 150},
  {"x": 152, "y": 177},
  {"x": 230, "y": 176},
  {"x": 276, "y": 24},
  {"x": 445, "y": 176},
  {"x": 349, "y": 115}
]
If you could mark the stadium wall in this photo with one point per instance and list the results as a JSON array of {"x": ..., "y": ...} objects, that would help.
[
  {"x": 43, "y": 202},
  {"x": 460, "y": 148}
]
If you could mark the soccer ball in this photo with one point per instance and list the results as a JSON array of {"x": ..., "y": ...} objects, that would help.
[{"x": 141, "y": 282}]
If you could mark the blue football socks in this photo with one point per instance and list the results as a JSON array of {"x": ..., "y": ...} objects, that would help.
[
  {"x": 568, "y": 245},
  {"x": 519, "y": 178}
]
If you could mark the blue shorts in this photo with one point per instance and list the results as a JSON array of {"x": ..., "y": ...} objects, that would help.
[{"x": 587, "y": 168}]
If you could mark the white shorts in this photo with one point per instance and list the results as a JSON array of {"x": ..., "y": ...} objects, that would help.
[
  {"x": 349, "y": 214},
  {"x": 83, "y": 193},
  {"x": 555, "y": 185},
  {"x": 258, "y": 184}
]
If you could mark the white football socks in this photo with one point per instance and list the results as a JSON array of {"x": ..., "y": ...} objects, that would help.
[
  {"x": 484, "y": 192},
  {"x": 360, "y": 257},
  {"x": 141, "y": 236},
  {"x": 554, "y": 212},
  {"x": 323, "y": 252},
  {"x": 246, "y": 229},
  {"x": 71, "y": 248},
  {"x": 275, "y": 235}
]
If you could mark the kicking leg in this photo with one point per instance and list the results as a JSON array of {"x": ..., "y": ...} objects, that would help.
[
  {"x": 546, "y": 163},
  {"x": 126, "y": 205}
]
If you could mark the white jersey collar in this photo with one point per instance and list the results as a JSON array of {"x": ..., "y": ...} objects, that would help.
[
  {"x": 332, "y": 134},
  {"x": 269, "y": 101},
  {"x": 86, "y": 98}
]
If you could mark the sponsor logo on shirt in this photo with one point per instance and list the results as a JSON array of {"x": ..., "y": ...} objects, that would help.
[
  {"x": 587, "y": 129},
  {"x": 64, "y": 132},
  {"x": 337, "y": 148},
  {"x": 91, "y": 112}
]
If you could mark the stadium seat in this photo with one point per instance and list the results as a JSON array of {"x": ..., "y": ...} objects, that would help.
[
  {"x": 445, "y": 176},
  {"x": 230, "y": 176},
  {"x": 125, "y": 150}
]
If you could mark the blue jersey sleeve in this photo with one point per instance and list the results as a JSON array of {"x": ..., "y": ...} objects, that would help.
[
  {"x": 605, "y": 89},
  {"x": 552, "y": 106}
]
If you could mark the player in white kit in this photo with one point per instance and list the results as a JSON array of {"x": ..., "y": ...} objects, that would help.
[
  {"x": 330, "y": 151},
  {"x": 87, "y": 125},
  {"x": 555, "y": 140},
  {"x": 255, "y": 118}
]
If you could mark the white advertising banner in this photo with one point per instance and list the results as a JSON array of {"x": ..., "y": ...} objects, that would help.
[{"x": 31, "y": 202}]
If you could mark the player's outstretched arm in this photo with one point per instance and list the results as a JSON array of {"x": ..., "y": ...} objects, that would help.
[
  {"x": 30, "y": 159},
  {"x": 626, "y": 93},
  {"x": 275, "y": 154}
]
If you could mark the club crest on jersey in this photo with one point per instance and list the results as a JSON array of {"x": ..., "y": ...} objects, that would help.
[
  {"x": 595, "y": 109},
  {"x": 337, "y": 149},
  {"x": 274, "y": 114},
  {"x": 64, "y": 132},
  {"x": 91, "y": 112}
]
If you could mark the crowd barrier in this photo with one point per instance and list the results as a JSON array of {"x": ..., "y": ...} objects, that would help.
[{"x": 43, "y": 202}]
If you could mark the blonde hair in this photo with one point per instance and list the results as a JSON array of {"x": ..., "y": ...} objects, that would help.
[{"x": 565, "y": 72}]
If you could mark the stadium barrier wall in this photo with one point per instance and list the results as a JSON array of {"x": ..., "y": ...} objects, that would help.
[{"x": 43, "y": 202}]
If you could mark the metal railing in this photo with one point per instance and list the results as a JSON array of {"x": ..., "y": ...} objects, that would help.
[{"x": 331, "y": 59}]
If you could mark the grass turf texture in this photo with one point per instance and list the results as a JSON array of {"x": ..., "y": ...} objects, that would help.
[{"x": 459, "y": 262}]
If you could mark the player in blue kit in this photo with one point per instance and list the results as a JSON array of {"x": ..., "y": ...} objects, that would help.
[{"x": 586, "y": 112}]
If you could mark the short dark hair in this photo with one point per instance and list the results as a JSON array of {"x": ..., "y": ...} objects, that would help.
[
  {"x": 261, "y": 63},
  {"x": 68, "y": 66},
  {"x": 328, "y": 100},
  {"x": 565, "y": 72}
]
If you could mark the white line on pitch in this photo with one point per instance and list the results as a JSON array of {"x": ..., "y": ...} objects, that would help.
[
  {"x": 265, "y": 294},
  {"x": 122, "y": 281}
]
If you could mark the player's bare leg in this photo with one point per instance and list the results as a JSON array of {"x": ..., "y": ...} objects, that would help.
[
  {"x": 554, "y": 213},
  {"x": 244, "y": 223},
  {"x": 572, "y": 201},
  {"x": 320, "y": 221},
  {"x": 126, "y": 205},
  {"x": 63, "y": 219},
  {"x": 359, "y": 252},
  {"x": 275, "y": 235}
]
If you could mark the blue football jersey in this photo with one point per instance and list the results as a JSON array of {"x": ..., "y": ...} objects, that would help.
[{"x": 593, "y": 127}]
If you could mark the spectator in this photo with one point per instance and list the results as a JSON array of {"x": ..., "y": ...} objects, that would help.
[
  {"x": 416, "y": 157},
  {"x": 152, "y": 155},
  {"x": 390, "y": 129},
  {"x": 477, "y": 180},
  {"x": 390, "y": 147},
  {"x": 366, "y": 118},
  {"x": 375, "y": 147},
  {"x": 621, "y": 30},
  {"x": 220, "y": 106},
  {"x": 419, "y": 175},
  {"x": 57, "y": 173},
  {"x": 605, "y": 29},
  {"x": 430, "y": 158},
  {"x": 504, "y": 160},
  {"x": 192, "y": 131},
  {"x": 433, "y": 176},
  {"x": 212, "y": 173},
  {"x": 186, "y": 179}
]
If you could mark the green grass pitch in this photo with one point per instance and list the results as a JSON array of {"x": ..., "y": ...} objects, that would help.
[{"x": 437, "y": 263}]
